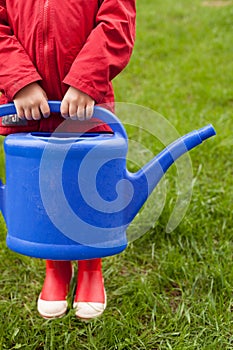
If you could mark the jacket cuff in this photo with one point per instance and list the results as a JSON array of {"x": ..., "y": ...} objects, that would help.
[
  {"x": 84, "y": 87},
  {"x": 14, "y": 86}
]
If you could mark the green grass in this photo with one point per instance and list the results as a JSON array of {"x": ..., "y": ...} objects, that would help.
[{"x": 166, "y": 290}]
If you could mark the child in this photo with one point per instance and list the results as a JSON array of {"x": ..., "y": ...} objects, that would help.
[{"x": 68, "y": 51}]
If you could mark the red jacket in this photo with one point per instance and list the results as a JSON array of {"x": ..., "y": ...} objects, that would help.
[{"x": 58, "y": 43}]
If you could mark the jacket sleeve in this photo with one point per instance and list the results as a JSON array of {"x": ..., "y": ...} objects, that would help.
[
  {"x": 16, "y": 68},
  {"x": 107, "y": 49}
]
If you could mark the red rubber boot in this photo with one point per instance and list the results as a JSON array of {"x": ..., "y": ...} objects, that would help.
[
  {"x": 90, "y": 300},
  {"x": 52, "y": 300}
]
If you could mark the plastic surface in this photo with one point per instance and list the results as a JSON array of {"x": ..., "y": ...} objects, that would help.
[
  {"x": 103, "y": 114},
  {"x": 72, "y": 198}
]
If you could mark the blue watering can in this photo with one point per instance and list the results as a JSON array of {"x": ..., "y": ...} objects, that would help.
[{"x": 70, "y": 196}]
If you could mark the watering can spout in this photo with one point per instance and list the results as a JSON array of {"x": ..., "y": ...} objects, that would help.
[
  {"x": 145, "y": 180},
  {"x": 206, "y": 132}
]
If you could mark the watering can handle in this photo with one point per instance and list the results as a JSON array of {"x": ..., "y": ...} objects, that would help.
[{"x": 101, "y": 113}]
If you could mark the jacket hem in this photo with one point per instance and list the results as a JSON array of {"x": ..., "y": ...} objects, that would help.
[
  {"x": 84, "y": 87},
  {"x": 16, "y": 86}
]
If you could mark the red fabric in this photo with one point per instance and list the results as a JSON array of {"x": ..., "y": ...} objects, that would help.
[
  {"x": 58, "y": 43},
  {"x": 68, "y": 125}
]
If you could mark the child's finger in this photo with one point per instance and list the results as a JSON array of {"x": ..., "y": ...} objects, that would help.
[
  {"x": 44, "y": 108},
  {"x": 89, "y": 111},
  {"x": 36, "y": 113},
  {"x": 20, "y": 112},
  {"x": 64, "y": 109},
  {"x": 81, "y": 112},
  {"x": 73, "y": 111},
  {"x": 28, "y": 113}
]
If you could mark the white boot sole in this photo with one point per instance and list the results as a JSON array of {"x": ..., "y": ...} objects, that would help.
[
  {"x": 51, "y": 309},
  {"x": 89, "y": 310}
]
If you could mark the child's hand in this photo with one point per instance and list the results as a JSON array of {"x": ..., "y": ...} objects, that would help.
[
  {"x": 77, "y": 105},
  {"x": 31, "y": 101}
]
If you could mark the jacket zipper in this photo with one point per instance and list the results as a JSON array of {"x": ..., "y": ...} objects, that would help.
[{"x": 46, "y": 39}]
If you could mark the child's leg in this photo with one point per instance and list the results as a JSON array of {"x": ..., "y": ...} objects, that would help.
[
  {"x": 52, "y": 300},
  {"x": 90, "y": 299}
]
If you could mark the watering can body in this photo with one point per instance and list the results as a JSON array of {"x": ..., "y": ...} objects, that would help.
[{"x": 70, "y": 196}]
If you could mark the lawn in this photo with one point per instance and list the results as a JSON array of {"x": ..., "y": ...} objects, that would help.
[{"x": 170, "y": 289}]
